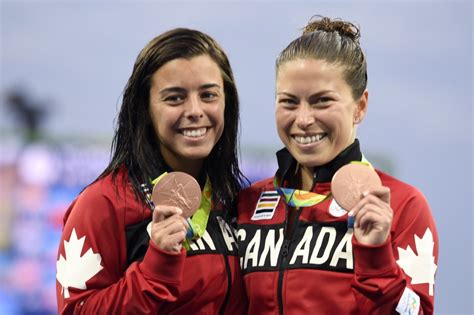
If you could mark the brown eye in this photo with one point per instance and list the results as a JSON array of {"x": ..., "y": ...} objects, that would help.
[
  {"x": 288, "y": 102},
  {"x": 322, "y": 101},
  {"x": 209, "y": 96},
  {"x": 174, "y": 99}
]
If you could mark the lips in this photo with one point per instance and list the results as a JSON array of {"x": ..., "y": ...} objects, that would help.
[
  {"x": 193, "y": 132},
  {"x": 309, "y": 139}
]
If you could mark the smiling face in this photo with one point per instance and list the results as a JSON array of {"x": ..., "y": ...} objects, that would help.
[
  {"x": 187, "y": 103},
  {"x": 316, "y": 114}
]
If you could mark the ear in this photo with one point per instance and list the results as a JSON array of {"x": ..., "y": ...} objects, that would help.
[{"x": 361, "y": 110}]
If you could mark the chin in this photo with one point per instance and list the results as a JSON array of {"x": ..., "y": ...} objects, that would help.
[
  {"x": 311, "y": 161},
  {"x": 197, "y": 155},
  {"x": 308, "y": 163}
]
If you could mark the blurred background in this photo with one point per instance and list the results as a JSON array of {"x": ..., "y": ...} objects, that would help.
[{"x": 64, "y": 64}]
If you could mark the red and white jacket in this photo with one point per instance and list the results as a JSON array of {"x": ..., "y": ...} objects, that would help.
[
  {"x": 108, "y": 265},
  {"x": 321, "y": 268}
]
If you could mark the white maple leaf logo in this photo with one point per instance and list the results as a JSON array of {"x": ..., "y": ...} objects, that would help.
[
  {"x": 421, "y": 268},
  {"x": 74, "y": 270}
]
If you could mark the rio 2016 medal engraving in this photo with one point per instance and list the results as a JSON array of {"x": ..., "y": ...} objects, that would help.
[
  {"x": 180, "y": 190},
  {"x": 350, "y": 181}
]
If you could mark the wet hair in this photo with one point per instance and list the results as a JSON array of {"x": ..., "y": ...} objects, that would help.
[
  {"x": 335, "y": 41},
  {"x": 135, "y": 144}
]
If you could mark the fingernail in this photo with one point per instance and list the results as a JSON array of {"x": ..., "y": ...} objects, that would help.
[
  {"x": 351, "y": 213},
  {"x": 365, "y": 193}
]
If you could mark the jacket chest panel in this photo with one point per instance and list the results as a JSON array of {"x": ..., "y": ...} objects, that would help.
[{"x": 314, "y": 245}]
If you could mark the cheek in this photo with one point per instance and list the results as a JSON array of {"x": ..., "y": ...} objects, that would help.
[
  {"x": 334, "y": 120},
  {"x": 154, "y": 118},
  {"x": 219, "y": 117},
  {"x": 217, "y": 113},
  {"x": 283, "y": 119},
  {"x": 345, "y": 122},
  {"x": 342, "y": 129},
  {"x": 283, "y": 125},
  {"x": 162, "y": 122}
]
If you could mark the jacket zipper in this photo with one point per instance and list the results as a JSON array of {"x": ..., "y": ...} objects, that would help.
[
  {"x": 286, "y": 248},
  {"x": 227, "y": 267},
  {"x": 229, "y": 285},
  {"x": 284, "y": 256}
]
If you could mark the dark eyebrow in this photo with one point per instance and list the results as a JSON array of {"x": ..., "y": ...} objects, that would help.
[
  {"x": 173, "y": 89},
  {"x": 311, "y": 97},
  {"x": 286, "y": 94},
  {"x": 209, "y": 86},
  {"x": 177, "y": 89}
]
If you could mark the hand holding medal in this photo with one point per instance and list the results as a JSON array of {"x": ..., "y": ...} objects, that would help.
[
  {"x": 176, "y": 196},
  {"x": 357, "y": 188}
]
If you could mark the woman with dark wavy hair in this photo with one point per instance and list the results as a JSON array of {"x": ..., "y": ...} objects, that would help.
[{"x": 122, "y": 254}]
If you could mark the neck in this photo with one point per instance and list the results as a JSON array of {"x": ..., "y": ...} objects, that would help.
[
  {"x": 192, "y": 167},
  {"x": 306, "y": 174}
]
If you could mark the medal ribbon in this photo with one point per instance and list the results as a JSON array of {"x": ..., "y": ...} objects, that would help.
[
  {"x": 198, "y": 222},
  {"x": 298, "y": 198},
  {"x": 302, "y": 198}
]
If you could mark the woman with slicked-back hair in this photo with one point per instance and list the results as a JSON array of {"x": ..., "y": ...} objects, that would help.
[
  {"x": 330, "y": 233},
  {"x": 123, "y": 253}
]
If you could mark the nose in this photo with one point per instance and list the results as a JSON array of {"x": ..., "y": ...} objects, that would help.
[
  {"x": 193, "y": 108},
  {"x": 304, "y": 118}
]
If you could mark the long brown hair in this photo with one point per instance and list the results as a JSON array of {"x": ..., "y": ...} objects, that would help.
[{"x": 135, "y": 144}]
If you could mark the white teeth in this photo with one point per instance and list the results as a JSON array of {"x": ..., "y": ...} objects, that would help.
[
  {"x": 194, "y": 133},
  {"x": 309, "y": 139}
]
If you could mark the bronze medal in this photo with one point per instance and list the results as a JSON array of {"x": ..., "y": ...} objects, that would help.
[
  {"x": 180, "y": 190},
  {"x": 350, "y": 181}
]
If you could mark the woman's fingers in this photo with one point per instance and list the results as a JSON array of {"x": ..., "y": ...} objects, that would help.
[
  {"x": 371, "y": 213},
  {"x": 168, "y": 229},
  {"x": 162, "y": 212},
  {"x": 382, "y": 192},
  {"x": 379, "y": 196},
  {"x": 373, "y": 216}
]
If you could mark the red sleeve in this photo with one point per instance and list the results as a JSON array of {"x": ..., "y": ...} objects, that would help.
[
  {"x": 398, "y": 277},
  {"x": 92, "y": 272}
]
